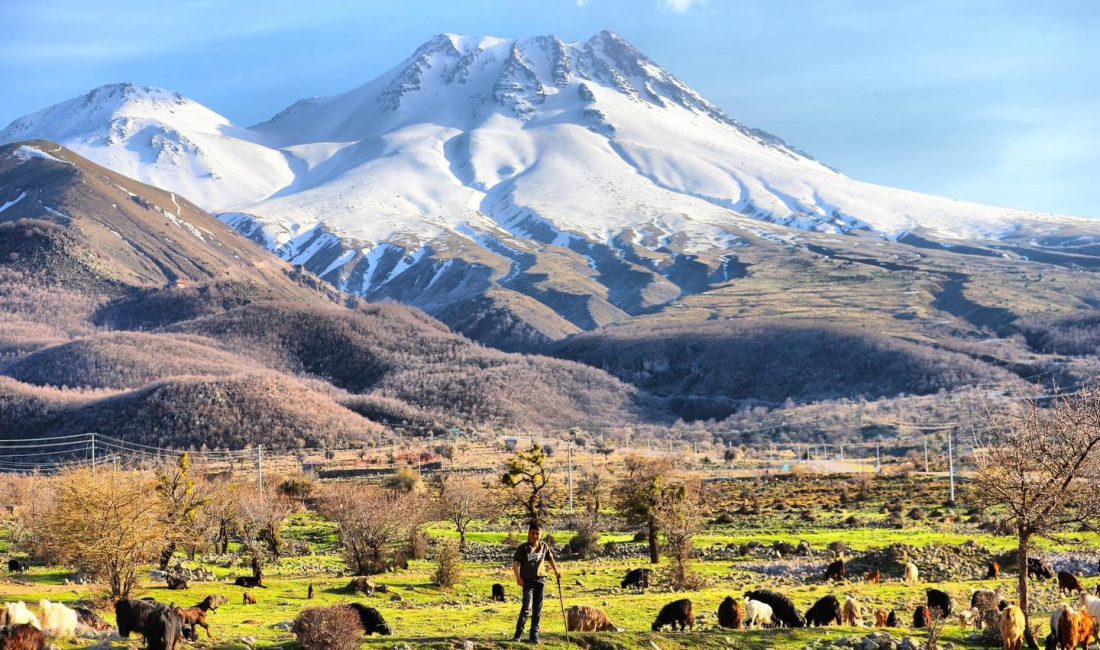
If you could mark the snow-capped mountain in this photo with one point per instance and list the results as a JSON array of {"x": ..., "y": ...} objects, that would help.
[
  {"x": 566, "y": 184},
  {"x": 162, "y": 138}
]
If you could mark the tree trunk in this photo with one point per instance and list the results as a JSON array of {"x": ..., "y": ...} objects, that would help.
[
  {"x": 462, "y": 539},
  {"x": 1021, "y": 557},
  {"x": 166, "y": 556},
  {"x": 654, "y": 555}
]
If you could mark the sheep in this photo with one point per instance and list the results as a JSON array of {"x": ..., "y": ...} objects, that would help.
[
  {"x": 836, "y": 571},
  {"x": 783, "y": 610},
  {"x": 17, "y": 613},
  {"x": 676, "y": 613},
  {"x": 1091, "y": 603},
  {"x": 881, "y": 616},
  {"x": 826, "y": 611},
  {"x": 176, "y": 582},
  {"x": 371, "y": 620},
  {"x": 853, "y": 613},
  {"x": 362, "y": 584},
  {"x": 939, "y": 600},
  {"x": 993, "y": 571},
  {"x": 922, "y": 617},
  {"x": 23, "y": 636},
  {"x": 15, "y": 566},
  {"x": 249, "y": 599},
  {"x": 1055, "y": 617},
  {"x": 249, "y": 582},
  {"x": 969, "y": 617},
  {"x": 636, "y": 578},
  {"x": 873, "y": 577},
  {"x": 1069, "y": 584},
  {"x": 585, "y": 618},
  {"x": 757, "y": 613},
  {"x": 1075, "y": 629},
  {"x": 498, "y": 592},
  {"x": 912, "y": 575},
  {"x": 1013, "y": 625},
  {"x": 90, "y": 619},
  {"x": 57, "y": 619},
  {"x": 730, "y": 614}
]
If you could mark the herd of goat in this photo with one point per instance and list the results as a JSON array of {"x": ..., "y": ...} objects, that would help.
[{"x": 164, "y": 626}]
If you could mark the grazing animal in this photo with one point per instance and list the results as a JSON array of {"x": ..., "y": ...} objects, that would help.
[
  {"x": 1013, "y": 625},
  {"x": 994, "y": 570},
  {"x": 636, "y": 579},
  {"x": 498, "y": 592},
  {"x": 853, "y": 613},
  {"x": 836, "y": 571},
  {"x": 826, "y": 611},
  {"x": 922, "y": 617},
  {"x": 912, "y": 576},
  {"x": 176, "y": 582},
  {"x": 18, "y": 613},
  {"x": 309, "y": 594},
  {"x": 371, "y": 620},
  {"x": 783, "y": 610},
  {"x": 15, "y": 566},
  {"x": 249, "y": 582},
  {"x": 57, "y": 619},
  {"x": 131, "y": 615},
  {"x": 1036, "y": 568},
  {"x": 757, "y": 613},
  {"x": 675, "y": 614},
  {"x": 1091, "y": 603},
  {"x": 585, "y": 618},
  {"x": 730, "y": 614},
  {"x": 362, "y": 584},
  {"x": 939, "y": 600},
  {"x": 881, "y": 616},
  {"x": 1075, "y": 629},
  {"x": 91, "y": 620},
  {"x": 163, "y": 629},
  {"x": 1069, "y": 584},
  {"x": 969, "y": 617},
  {"x": 892, "y": 619},
  {"x": 874, "y": 577},
  {"x": 193, "y": 617},
  {"x": 1055, "y": 617},
  {"x": 249, "y": 599},
  {"x": 22, "y": 636}
]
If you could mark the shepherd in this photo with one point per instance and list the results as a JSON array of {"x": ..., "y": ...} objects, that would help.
[{"x": 528, "y": 564}]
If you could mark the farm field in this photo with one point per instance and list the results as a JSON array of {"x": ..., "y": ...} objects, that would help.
[{"x": 738, "y": 551}]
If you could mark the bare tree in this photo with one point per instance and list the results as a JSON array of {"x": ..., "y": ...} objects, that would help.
[
  {"x": 261, "y": 519},
  {"x": 527, "y": 473},
  {"x": 462, "y": 499},
  {"x": 372, "y": 522},
  {"x": 1042, "y": 466},
  {"x": 679, "y": 513},
  {"x": 594, "y": 490},
  {"x": 637, "y": 495},
  {"x": 107, "y": 521},
  {"x": 183, "y": 501}
]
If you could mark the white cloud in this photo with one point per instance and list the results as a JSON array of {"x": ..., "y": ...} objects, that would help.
[
  {"x": 680, "y": 6},
  {"x": 582, "y": 3}
]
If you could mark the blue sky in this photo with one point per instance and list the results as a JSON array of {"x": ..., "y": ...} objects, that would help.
[{"x": 995, "y": 102}]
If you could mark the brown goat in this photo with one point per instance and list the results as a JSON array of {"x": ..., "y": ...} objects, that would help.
[
  {"x": 874, "y": 577},
  {"x": 22, "y": 637},
  {"x": 994, "y": 570},
  {"x": 1068, "y": 583},
  {"x": 1013, "y": 625},
  {"x": 881, "y": 616},
  {"x": 196, "y": 615},
  {"x": 249, "y": 599},
  {"x": 585, "y": 618},
  {"x": 1075, "y": 629}
]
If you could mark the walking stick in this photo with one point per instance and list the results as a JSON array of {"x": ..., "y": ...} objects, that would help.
[{"x": 561, "y": 599}]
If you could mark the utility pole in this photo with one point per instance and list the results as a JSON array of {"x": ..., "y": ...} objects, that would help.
[
  {"x": 93, "y": 453},
  {"x": 951, "y": 465},
  {"x": 878, "y": 457},
  {"x": 926, "y": 466},
  {"x": 842, "y": 452},
  {"x": 570, "y": 456},
  {"x": 260, "y": 468}
]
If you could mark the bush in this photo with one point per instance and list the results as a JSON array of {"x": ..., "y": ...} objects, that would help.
[
  {"x": 917, "y": 514},
  {"x": 328, "y": 628},
  {"x": 448, "y": 567},
  {"x": 586, "y": 541},
  {"x": 418, "y": 545}
]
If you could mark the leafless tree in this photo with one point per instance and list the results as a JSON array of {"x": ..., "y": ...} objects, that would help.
[
  {"x": 1042, "y": 466},
  {"x": 679, "y": 514},
  {"x": 462, "y": 499},
  {"x": 372, "y": 522},
  {"x": 638, "y": 493}
]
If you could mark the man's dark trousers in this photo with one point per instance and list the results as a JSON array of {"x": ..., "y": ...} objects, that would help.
[{"x": 533, "y": 591}]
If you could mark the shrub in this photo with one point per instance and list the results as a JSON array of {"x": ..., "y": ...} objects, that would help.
[
  {"x": 448, "y": 564},
  {"x": 917, "y": 513},
  {"x": 328, "y": 628},
  {"x": 586, "y": 541}
]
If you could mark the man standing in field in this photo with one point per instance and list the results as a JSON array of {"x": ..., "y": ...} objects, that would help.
[{"x": 528, "y": 566}]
